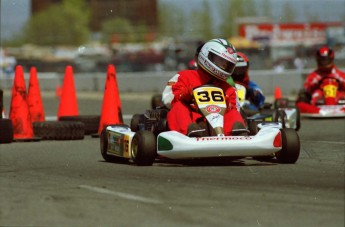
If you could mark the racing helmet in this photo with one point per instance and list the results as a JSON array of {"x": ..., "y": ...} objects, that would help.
[
  {"x": 241, "y": 68},
  {"x": 325, "y": 58},
  {"x": 218, "y": 58}
]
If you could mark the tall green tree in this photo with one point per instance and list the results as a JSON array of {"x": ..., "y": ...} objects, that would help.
[
  {"x": 202, "y": 23},
  {"x": 119, "y": 29},
  {"x": 171, "y": 20},
  {"x": 288, "y": 14},
  {"x": 266, "y": 9},
  {"x": 60, "y": 24},
  {"x": 231, "y": 12}
]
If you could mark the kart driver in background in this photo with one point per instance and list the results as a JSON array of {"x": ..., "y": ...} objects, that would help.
[
  {"x": 240, "y": 75},
  {"x": 215, "y": 64},
  {"x": 325, "y": 69}
]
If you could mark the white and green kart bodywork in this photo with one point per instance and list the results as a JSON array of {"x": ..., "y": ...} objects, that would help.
[{"x": 143, "y": 147}]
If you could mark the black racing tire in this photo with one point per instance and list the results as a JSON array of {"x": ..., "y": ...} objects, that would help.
[
  {"x": 104, "y": 147},
  {"x": 303, "y": 96},
  {"x": 91, "y": 122},
  {"x": 161, "y": 126},
  {"x": 59, "y": 130},
  {"x": 253, "y": 127},
  {"x": 298, "y": 119},
  {"x": 6, "y": 130},
  {"x": 280, "y": 116},
  {"x": 135, "y": 121},
  {"x": 290, "y": 146},
  {"x": 143, "y": 148},
  {"x": 281, "y": 103},
  {"x": 156, "y": 101}
]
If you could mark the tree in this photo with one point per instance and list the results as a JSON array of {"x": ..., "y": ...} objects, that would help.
[
  {"x": 60, "y": 24},
  {"x": 266, "y": 9},
  {"x": 288, "y": 13},
  {"x": 233, "y": 10},
  {"x": 202, "y": 23},
  {"x": 117, "y": 30},
  {"x": 171, "y": 20}
]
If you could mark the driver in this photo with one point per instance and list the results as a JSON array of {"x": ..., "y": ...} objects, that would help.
[
  {"x": 215, "y": 64},
  {"x": 325, "y": 69},
  {"x": 240, "y": 75}
]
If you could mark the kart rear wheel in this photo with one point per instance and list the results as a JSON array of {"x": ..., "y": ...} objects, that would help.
[
  {"x": 143, "y": 148},
  {"x": 104, "y": 147},
  {"x": 298, "y": 119},
  {"x": 156, "y": 101},
  {"x": 253, "y": 127},
  {"x": 135, "y": 121},
  {"x": 280, "y": 116},
  {"x": 290, "y": 146},
  {"x": 281, "y": 103}
]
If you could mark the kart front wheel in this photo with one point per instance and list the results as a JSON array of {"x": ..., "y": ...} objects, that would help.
[
  {"x": 104, "y": 147},
  {"x": 290, "y": 146},
  {"x": 143, "y": 148}
]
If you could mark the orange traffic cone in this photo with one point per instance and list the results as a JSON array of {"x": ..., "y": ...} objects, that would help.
[
  {"x": 19, "y": 110},
  {"x": 111, "y": 107},
  {"x": 58, "y": 91},
  {"x": 277, "y": 93},
  {"x": 68, "y": 102},
  {"x": 34, "y": 98},
  {"x": 119, "y": 106}
]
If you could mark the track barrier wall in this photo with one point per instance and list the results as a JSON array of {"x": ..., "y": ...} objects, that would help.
[{"x": 290, "y": 81}]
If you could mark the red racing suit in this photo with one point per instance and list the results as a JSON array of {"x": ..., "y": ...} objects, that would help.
[
  {"x": 179, "y": 93},
  {"x": 313, "y": 81}
]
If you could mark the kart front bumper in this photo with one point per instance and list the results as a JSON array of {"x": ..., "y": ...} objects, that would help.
[{"x": 175, "y": 145}]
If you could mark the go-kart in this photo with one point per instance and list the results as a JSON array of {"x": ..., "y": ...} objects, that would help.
[
  {"x": 149, "y": 138},
  {"x": 281, "y": 111},
  {"x": 327, "y": 107}
]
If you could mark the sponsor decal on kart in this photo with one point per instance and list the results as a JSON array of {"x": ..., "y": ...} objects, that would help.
[
  {"x": 117, "y": 143},
  {"x": 223, "y": 138},
  {"x": 126, "y": 145},
  {"x": 213, "y": 109}
]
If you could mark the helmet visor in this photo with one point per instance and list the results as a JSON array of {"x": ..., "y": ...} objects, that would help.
[
  {"x": 222, "y": 63},
  {"x": 324, "y": 61},
  {"x": 239, "y": 73}
]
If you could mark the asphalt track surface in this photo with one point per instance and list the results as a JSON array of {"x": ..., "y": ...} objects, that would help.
[{"x": 67, "y": 183}]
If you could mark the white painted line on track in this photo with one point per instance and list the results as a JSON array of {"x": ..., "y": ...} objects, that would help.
[
  {"x": 330, "y": 142},
  {"x": 121, "y": 194}
]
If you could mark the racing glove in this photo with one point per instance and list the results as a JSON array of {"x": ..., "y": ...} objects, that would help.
[
  {"x": 186, "y": 95},
  {"x": 256, "y": 97}
]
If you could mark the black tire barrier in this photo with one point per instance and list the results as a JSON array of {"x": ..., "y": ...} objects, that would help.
[
  {"x": 91, "y": 122},
  {"x": 6, "y": 131},
  {"x": 1, "y": 102},
  {"x": 59, "y": 130}
]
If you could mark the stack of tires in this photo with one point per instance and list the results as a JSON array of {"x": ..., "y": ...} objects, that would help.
[
  {"x": 67, "y": 127},
  {"x": 6, "y": 127}
]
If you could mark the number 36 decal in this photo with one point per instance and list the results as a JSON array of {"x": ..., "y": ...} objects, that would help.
[{"x": 209, "y": 95}]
